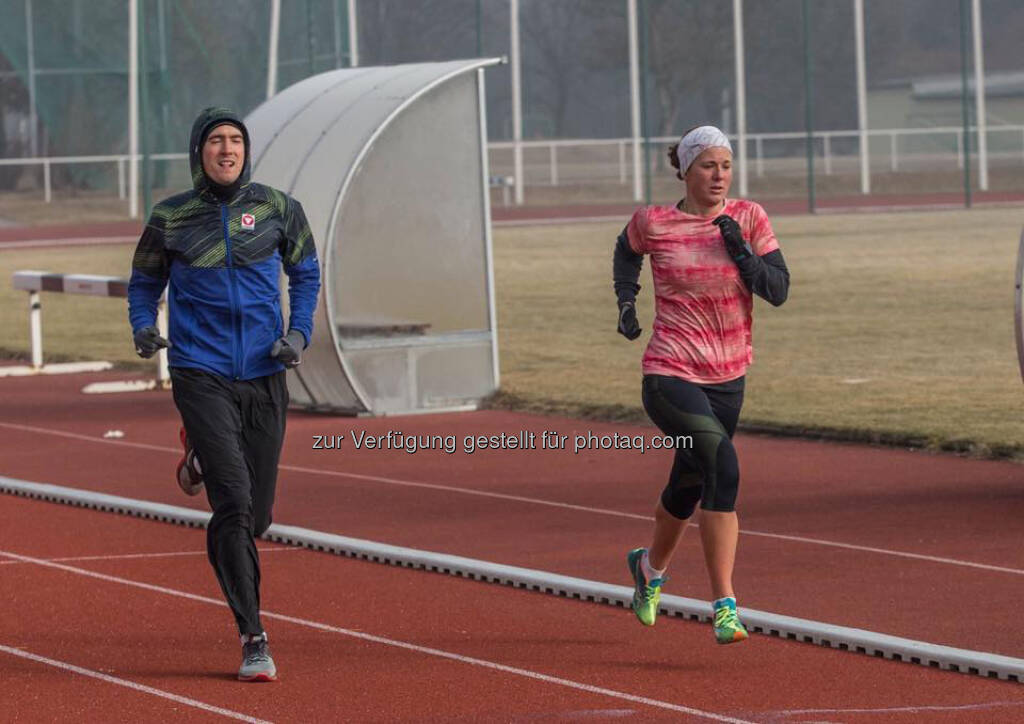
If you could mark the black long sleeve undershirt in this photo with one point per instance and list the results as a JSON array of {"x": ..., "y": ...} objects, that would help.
[
  {"x": 766, "y": 276},
  {"x": 626, "y": 266}
]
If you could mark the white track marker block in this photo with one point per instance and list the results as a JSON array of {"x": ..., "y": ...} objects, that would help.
[
  {"x": 60, "y": 368},
  {"x": 101, "y": 388}
]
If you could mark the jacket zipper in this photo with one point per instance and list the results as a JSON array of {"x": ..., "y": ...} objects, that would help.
[{"x": 236, "y": 367}]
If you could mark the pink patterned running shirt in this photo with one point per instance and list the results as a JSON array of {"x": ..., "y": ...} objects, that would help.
[{"x": 702, "y": 319}]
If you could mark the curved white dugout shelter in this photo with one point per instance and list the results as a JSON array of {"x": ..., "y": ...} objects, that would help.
[{"x": 390, "y": 165}]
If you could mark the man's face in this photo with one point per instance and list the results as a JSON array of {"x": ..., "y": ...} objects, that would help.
[{"x": 224, "y": 154}]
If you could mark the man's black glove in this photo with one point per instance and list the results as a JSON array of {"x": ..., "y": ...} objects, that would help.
[
  {"x": 288, "y": 349},
  {"x": 628, "y": 326},
  {"x": 738, "y": 249},
  {"x": 148, "y": 342}
]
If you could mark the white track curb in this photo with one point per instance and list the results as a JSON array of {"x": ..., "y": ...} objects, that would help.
[{"x": 786, "y": 627}]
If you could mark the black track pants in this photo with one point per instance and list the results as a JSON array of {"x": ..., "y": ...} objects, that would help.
[{"x": 237, "y": 428}]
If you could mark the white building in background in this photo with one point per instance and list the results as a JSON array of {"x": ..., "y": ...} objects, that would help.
[{"x": 935, "y": 101}]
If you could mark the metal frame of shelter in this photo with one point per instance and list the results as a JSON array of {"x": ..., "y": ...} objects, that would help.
[
  {"x": 1018, "y": 309},
  {"x": 390, "y": 165}
]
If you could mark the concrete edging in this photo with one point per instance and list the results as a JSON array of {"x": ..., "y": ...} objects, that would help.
[{"x": 845, "y": 638}]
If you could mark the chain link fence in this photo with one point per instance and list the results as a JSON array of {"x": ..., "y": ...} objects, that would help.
[{"x": 65, "y": 73}]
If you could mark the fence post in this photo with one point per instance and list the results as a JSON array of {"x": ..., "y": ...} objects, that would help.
[
  {"x": 35, "y": 324},
  {"x": 120, "y": 178},
  {"x": 827, "y": 139},
  {"x": 46, "y": 180},
  {"x": 759, "y": 145}
]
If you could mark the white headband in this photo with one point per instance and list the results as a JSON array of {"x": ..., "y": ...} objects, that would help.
[{"x": 696, "y": 142}]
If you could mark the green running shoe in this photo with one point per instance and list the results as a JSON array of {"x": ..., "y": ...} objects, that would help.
[
  {"x": 728, "y": 629},
  {"x": 646, "y": 594}
]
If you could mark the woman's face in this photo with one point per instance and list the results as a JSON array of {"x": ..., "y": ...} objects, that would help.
[{"x": 709, "y": 177}]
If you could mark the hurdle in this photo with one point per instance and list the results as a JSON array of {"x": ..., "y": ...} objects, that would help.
[{"x": 36, "y": 282}]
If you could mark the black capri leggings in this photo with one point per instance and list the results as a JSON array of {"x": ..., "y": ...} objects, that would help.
[{"x": 708, "y": 471}]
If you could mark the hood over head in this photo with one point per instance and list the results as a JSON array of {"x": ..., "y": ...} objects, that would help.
[{"x": 206, "y": 121}]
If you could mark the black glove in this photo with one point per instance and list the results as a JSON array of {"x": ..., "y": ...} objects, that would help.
[
  {"x": 288, "y": 349},
  {"x": 628, "y": 326},
  {"x": 148, "y": 342},
  {"x": 738, "y": 249}
]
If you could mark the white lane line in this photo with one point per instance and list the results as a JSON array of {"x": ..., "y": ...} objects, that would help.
[
  {"x": 88, "y": 438},
  {"x": 465, "y": 491},
  {"x": 482, "y": 663},
  {"x": 126, "y": 556},
  {"x": 899, "y": 709},
  {"x": 788, "y": 627},
  {"x": 128, "y": 685},
  {"x": 887, "y": 552},
  {"x": 634, "y": 516},
  {"x": 537, "y": 501}
]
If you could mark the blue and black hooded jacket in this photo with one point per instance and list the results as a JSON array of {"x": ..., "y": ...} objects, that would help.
[{"x": 223, "y": 270}]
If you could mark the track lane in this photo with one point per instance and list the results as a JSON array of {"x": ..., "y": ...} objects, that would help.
[
  {"x": 189, "y": 647},
  {"x": 50, "y": 693},
  {"x": 962, "y": 509},
  {"x": 330, "y": 678}
]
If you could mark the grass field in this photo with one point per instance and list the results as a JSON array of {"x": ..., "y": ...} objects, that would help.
[
  {"x": 74, "y": 326},
  {"x": 899, "y": 327}
]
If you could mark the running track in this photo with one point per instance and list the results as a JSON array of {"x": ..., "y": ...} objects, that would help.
[
  {"x": 911, "y": 544},
  {"x": 20, "y": 237}
]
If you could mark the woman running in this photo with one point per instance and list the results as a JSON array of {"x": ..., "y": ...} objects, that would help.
[{"x": 709, "y": 255}]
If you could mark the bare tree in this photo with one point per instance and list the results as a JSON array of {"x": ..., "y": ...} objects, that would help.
[{"x": 690, "y": 52}]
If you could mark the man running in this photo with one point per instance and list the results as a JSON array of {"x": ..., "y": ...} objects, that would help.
[{"x": 220, "y": 248}]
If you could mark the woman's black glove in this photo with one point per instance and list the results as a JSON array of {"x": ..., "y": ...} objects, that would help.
[
  {"x": 732, "y": 235},
  {"x": 628, "y": 326}
]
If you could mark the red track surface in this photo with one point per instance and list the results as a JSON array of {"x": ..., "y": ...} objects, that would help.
[
  {"x": 893, "y": 501},
  {"x": 188, "y": 648}
]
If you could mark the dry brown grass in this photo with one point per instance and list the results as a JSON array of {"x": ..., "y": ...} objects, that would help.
[
  {"x": 918, "y": 305},
  {"x": 74, "y": 326}
]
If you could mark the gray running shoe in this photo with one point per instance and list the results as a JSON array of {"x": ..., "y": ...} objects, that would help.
[{"x": 257, "y": 665}]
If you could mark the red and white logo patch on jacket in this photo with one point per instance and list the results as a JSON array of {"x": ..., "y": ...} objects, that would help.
[{"x": 248, "y": 222}]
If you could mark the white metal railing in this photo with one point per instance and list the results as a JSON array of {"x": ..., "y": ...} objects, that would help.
[
  {"x": 121, "y": 159},
  {"x": 623, "y": 150},
  {"x": 823, "y": 140}
]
